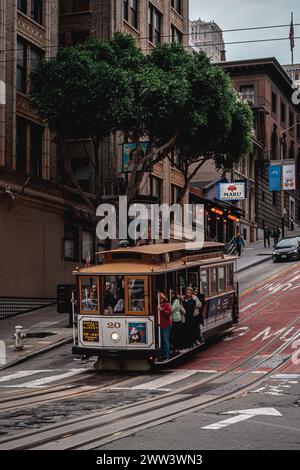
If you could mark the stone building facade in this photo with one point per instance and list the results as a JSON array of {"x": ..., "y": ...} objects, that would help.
[{"x": 207, "y": 36}]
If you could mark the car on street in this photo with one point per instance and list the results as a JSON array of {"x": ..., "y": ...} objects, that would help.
[{"x": 287, "y": 249}]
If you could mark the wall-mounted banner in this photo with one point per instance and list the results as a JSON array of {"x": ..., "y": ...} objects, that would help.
[
  {"x": 236, "y": 191},
  {"x": 275, "y": 177},
  {"x": 289, "y": 177},
  {"x": 132, "y": 153}
]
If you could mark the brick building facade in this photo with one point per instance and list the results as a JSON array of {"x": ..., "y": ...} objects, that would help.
[
  {"x": 32, "y": 205},
  {"x": 46, "y": 229},
  {"x": 268, "y": 89}
]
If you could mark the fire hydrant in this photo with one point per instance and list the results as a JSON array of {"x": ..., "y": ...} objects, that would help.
[{"x": 19, "y": 336}]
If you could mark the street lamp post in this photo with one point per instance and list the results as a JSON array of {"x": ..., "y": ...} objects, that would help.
[{"x": 283, "y": 210}]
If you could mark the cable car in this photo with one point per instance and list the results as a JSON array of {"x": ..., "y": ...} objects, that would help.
[{"x": 116, "y": 306}]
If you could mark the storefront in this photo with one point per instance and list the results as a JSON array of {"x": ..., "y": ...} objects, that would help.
[{"x": 222, "y": 220}]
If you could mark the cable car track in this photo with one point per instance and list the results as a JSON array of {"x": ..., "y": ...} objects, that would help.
[
  {"x": 114, "y": 424},
  {"x": 70, "y": 391}
]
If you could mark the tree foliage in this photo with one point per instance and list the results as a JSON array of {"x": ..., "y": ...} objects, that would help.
[{"x": 176, "y": 99}]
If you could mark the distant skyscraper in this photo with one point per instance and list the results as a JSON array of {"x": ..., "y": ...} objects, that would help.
[{"x": 208, "y": 37}]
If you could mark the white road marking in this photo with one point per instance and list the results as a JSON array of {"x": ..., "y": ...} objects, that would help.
[
  {"x": 21, "y": 374},
  {"x": 167, "y": 380},
  {"x": 159, "y": 384},
  {"x": 242, "y": 415},
  {"x": 40, "y": 383},
  {"x": 286, "y": 376}
]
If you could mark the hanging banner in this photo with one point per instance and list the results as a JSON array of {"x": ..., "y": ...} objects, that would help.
[
  {"x": 289, "y": 177},
  {"x": 275, "y": 178}
]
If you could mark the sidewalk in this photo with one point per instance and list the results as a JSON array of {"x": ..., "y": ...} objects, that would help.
[
  {"x": 256, "y": 253},
  {"x": 51, "y": 330}
]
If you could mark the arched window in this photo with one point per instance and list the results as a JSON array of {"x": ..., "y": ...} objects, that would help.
[{"x": 274, "y": 144}]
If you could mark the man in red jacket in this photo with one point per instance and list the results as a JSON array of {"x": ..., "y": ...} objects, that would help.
[{"x": 165, "y": 311}]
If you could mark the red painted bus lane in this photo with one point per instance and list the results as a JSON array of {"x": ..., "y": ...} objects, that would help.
[{"x": 268, "y": 325}]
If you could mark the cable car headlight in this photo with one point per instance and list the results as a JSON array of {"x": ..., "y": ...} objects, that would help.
[{"x": 115, "y": 337}]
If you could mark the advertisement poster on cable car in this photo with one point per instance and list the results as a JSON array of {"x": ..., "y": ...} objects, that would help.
[
  {"x": 219, "y": 306},
  {"x": 137, "y": 333}
]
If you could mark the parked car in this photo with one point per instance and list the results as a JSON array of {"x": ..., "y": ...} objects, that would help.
[{"x": 287, "y": 249}]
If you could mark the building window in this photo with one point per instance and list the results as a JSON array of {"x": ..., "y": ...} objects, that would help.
[
  {"x": 130, "y": 12},
  {"x": 36, "y": 150},
  {"x": 28, "y": 57},
  {"x": 154, "y": 23},
  {"x": 71, "y": 244},
  {"x": 274, "y": 103},
  {"x": 37, "y": 11},
  {"x": 248, "y": 92},
  {"x": 274, "y": 198},
  {"x": 87, "y": 245},
  {"x": 21, "y": 145},
  {"x": 291, "y": 121},
  {"x": 274, "y": 145},
  {"x": 81, "y": 5},
  {"x": 21, "y": 65},
  {"x": 177, "y": 5},
  {"x": 79, "y": 37},
  {"x": 29, "y": 148},
  {"x": 297, "y": 77},
  {"x": 22, "y": 6},
  {"x": 176, "y": 35},
  {"x": 283, "y": 113},
  {"x": 175, "y": 194},
  {"x": 156, "y": 187},
  {"x": 36, "y": 55}
]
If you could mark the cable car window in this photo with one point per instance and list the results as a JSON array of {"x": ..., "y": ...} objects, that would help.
[
  {"x": 214, "y": 281},
  {"x": 222, "y": 286},
  {"x": 89, "y": 295},
  {"x": 204, "y": 282},
  {"x": 193, "y": 280},
  {"x": 113, "y": 295},
  {"x": 181, "y": 282},
  {"x": 137, "y": 296},
  {"x": 230, "y": 277}
]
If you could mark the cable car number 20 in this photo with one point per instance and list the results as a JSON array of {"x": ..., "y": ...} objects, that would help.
[{"x": 115, "y": 326}]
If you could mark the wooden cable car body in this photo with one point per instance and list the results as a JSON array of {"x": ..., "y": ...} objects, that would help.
[{"x": 116, "y": 315}]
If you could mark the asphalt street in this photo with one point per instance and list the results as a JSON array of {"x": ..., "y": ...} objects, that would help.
[{"x": 277, "y": 428}]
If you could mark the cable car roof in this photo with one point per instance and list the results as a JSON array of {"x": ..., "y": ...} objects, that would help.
[
  {"x": 150, "y": 263},
  {"x": 162, "y": 248}
]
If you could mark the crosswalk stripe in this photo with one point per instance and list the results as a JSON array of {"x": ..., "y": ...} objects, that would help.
[
  {"x": 45, "y": 380},
  {"x": 160, "y": 384},
  {"x": 21, "y": 374}
]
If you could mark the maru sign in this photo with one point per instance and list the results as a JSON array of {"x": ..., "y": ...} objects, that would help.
[{"x": 232, "y": 191}]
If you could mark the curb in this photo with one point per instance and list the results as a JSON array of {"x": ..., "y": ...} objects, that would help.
[
  {"x": 37, "y": 353},
  {"x": 261, "y": 261}
]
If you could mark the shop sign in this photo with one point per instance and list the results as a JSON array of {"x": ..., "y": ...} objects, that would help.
[{"x": 236, "y": 191}]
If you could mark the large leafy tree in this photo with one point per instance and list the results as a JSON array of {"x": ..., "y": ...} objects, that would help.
[{"x": 176, "y": 99}]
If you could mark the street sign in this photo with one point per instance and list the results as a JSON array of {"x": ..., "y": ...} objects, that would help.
[{"x": 242, "y": 415}]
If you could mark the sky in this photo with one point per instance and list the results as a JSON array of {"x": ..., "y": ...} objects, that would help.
[{"x": 232, "y": 14}]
